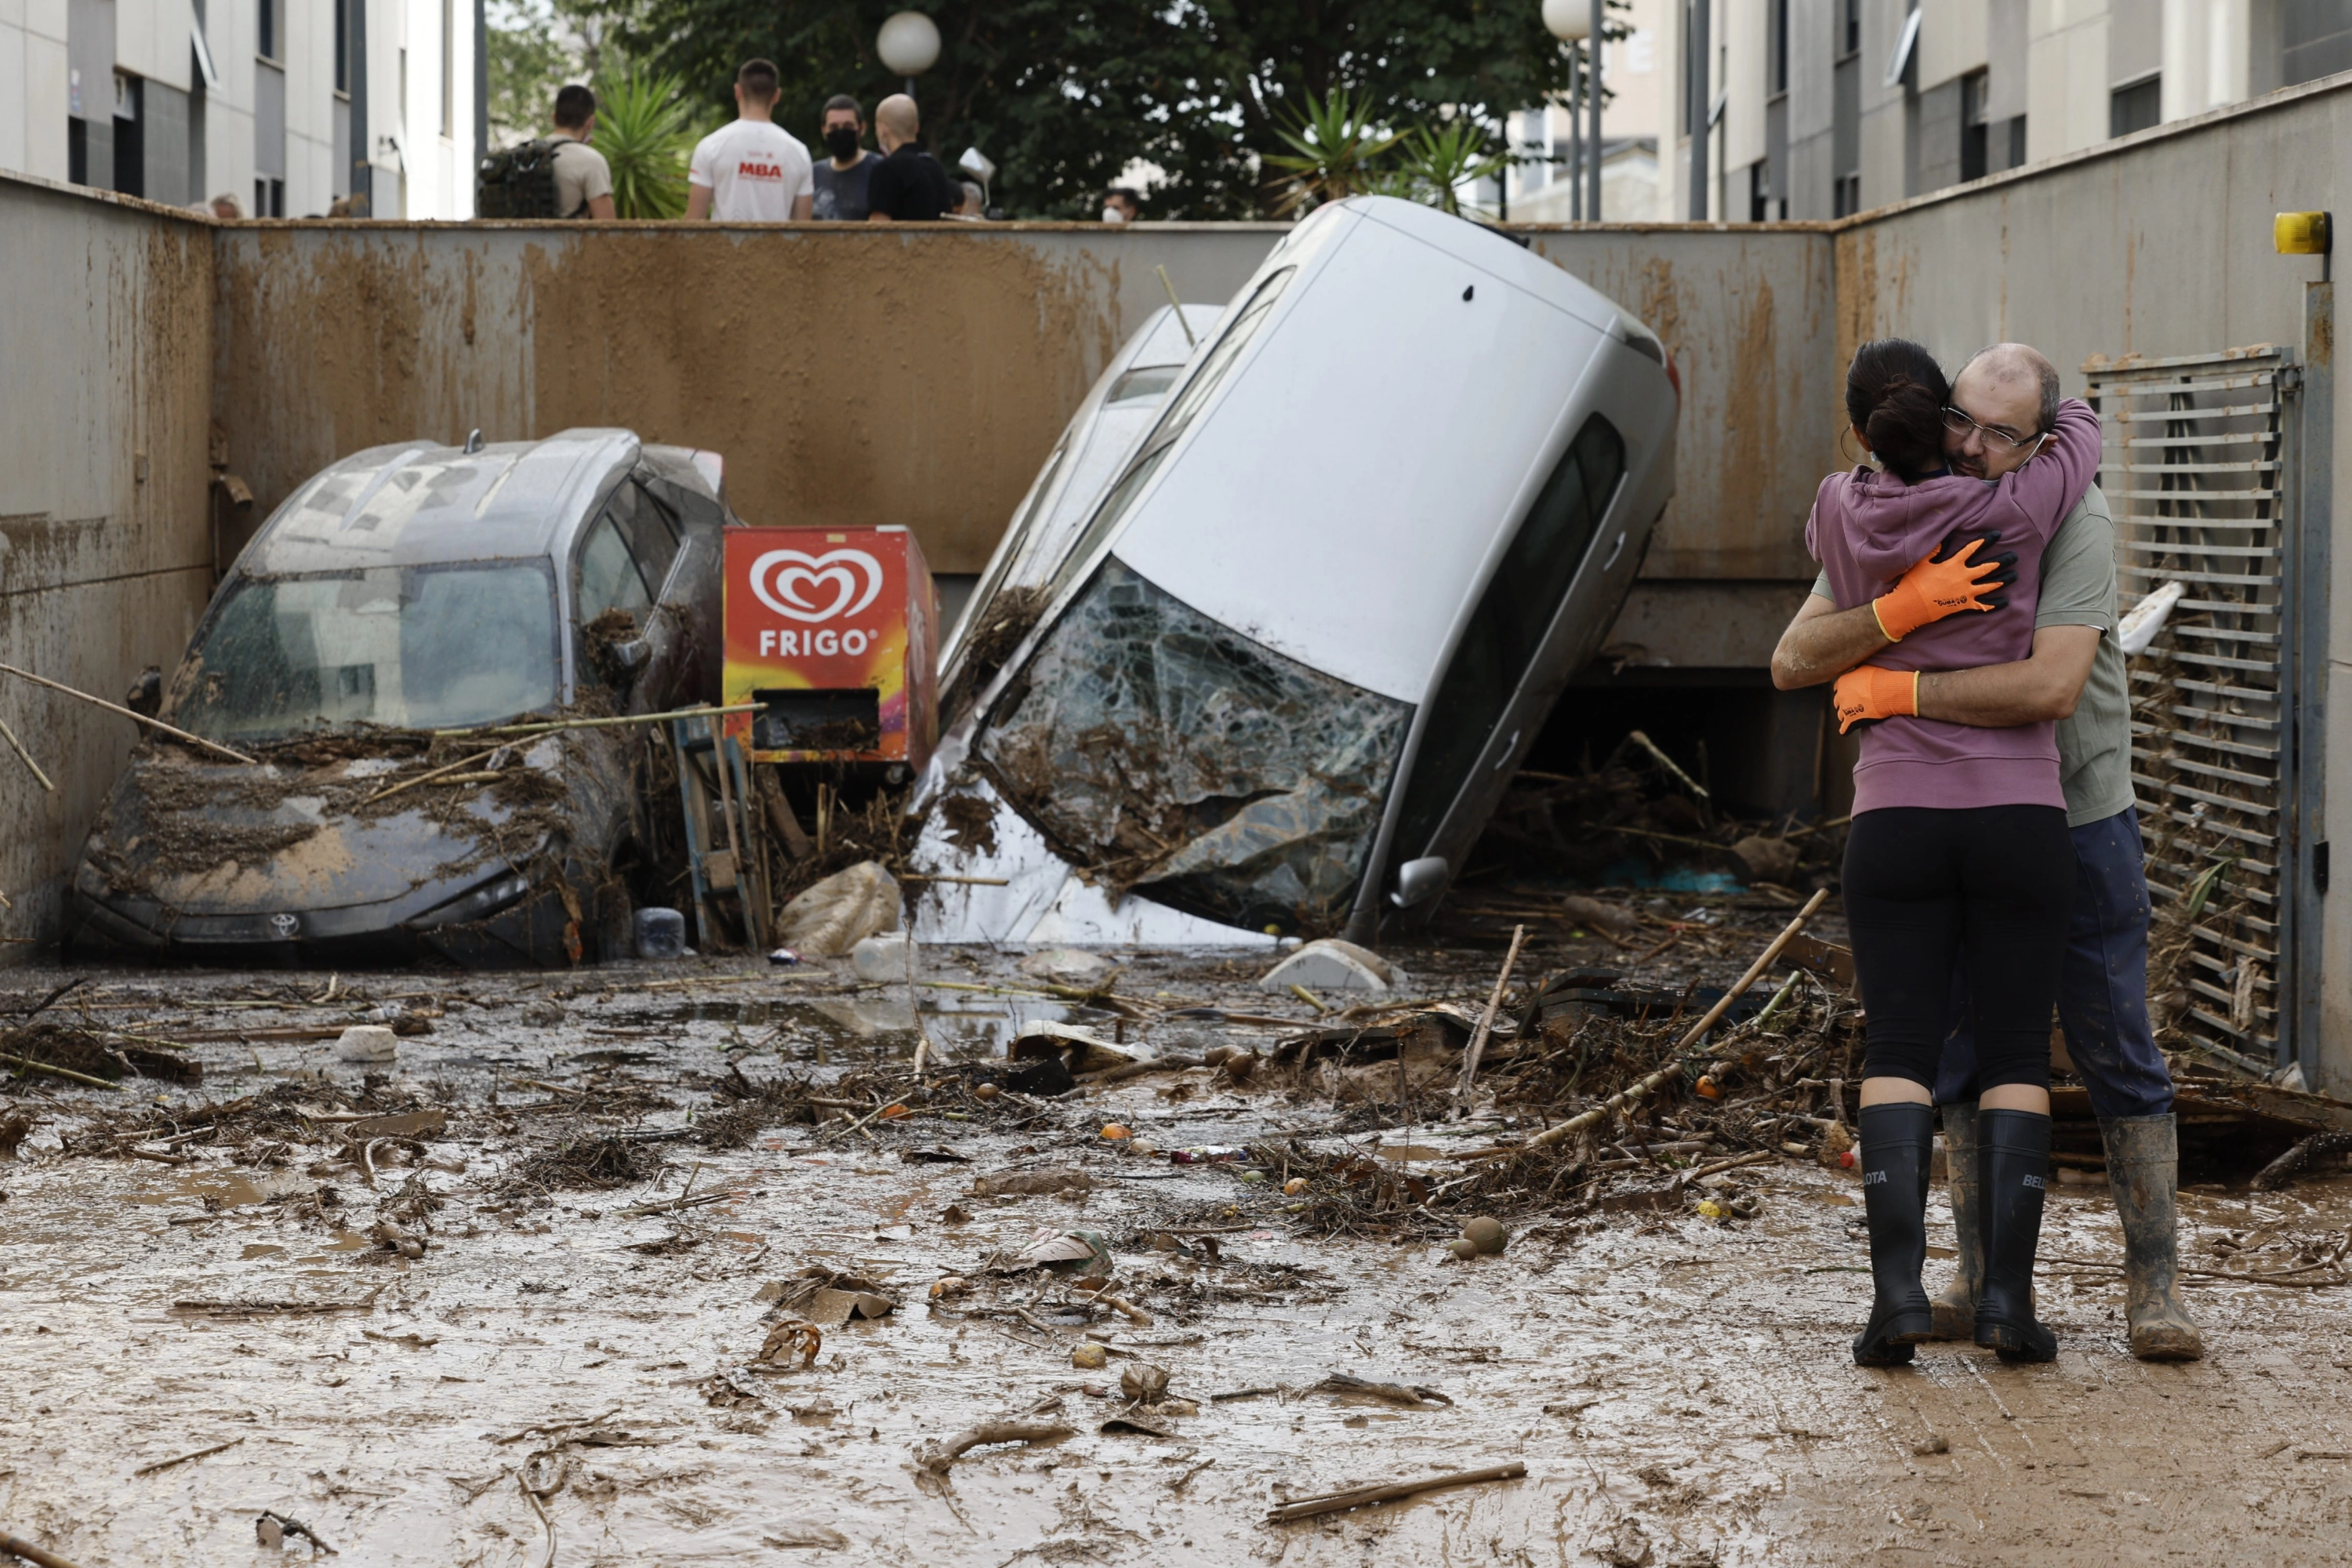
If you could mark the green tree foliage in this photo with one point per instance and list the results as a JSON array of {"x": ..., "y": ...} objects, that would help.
[
  {"x": 1062, "y": 94},
  {"x": 643, "y": 128}
]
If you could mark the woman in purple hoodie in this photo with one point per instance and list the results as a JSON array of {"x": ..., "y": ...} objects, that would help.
[{"x": 1958, "y": 844}]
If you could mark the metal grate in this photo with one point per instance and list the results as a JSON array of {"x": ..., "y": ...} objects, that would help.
[{"x": 2197, "y": 473}]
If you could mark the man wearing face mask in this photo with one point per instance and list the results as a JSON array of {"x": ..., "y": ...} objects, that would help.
[
  {"x": 1122, "y": 205},
  {"x": 844, "y": 179}
]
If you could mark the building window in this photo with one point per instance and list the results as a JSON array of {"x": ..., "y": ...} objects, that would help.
[
  {"x": 2017, "y": 143},
  {"x": 1849, "y": 27},
  {"x": 1779, "y": 23},
  {"x": 1974, "y": 144},
  {"x": 1847, "y": 195},
  {"x": 269, "y": 198},
  {"x": 342, "y": 46},
  {"x": 267, "y": 46},
  {"x": 448, "y": 67},
  {"x": 2135, "y": 107}
]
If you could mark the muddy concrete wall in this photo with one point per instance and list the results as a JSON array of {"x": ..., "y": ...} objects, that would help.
[
  {"x": 913, "y": 375},
  {"x": 2159, "y": 244},
  {"x": 105, "y": 554}
]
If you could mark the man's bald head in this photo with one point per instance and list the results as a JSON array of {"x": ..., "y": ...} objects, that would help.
[
  {"x": 2009, "y": 390},
  {"x": 897, "y": 118}
]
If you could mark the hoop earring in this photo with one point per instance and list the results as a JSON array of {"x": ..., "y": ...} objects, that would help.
[{"x": 1844, "y": 432}]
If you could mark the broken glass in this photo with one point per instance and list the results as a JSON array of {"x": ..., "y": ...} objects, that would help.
[{"x": 1162, "y": 751}]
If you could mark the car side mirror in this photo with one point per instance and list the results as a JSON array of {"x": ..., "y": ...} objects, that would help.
[
  {"x": 1417, "y": 880},
  {"x": 630, "y": 656}
]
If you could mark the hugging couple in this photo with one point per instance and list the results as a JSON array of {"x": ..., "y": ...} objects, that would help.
[{"x": 1966, "y": 611}]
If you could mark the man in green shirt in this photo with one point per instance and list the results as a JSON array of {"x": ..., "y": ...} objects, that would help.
[{"x": 2075, "y": 676}]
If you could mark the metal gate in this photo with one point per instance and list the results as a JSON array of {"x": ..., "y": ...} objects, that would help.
[{"x": 2198, "y": 472}]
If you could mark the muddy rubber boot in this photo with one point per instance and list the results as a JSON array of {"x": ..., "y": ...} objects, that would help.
[
  {"x": 1898, "y": 1142},
  {"x": 2143, "y": 1168},
  {"x": 2012, "y": 1175},
  {"x": 1956, "y": 1306}
]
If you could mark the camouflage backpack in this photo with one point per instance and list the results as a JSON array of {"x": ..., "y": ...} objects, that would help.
[{"x": 518, "y": 182}]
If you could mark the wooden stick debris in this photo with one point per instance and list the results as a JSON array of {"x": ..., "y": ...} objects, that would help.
[
  {"x": 1753, "y": 1157},
  {"x": 291, "y": 1526},
  {"x": 171, "y": 730},
  {"x": 938, "y": 1458},
  {"x": 1486, "y": 1021},
  {"x": 1356, "y": 1497},
  {"x": 539, "y": 1508},
  {"x": 428, "y": 778},
  {"x": 183, "y": 1459},
  {"x": 31, "y": 1065},
  {"x": 1670, "y": 766},
  {"x": 551, "y": 726},
  {"x": 32, "y": 1554},
  {"x": 1673, "y": 1070},
  {"x": 19, "y": 747}
]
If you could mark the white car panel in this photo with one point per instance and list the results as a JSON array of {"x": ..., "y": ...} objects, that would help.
[{"x": 1340, "y": 501}]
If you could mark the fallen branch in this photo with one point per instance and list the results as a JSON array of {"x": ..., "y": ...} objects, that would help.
[
  {"x": 1673, "y": 1070},
  {"x": 30, "y": 1064},
  {"x": 549, "y": 726},
  {"x": 1486, "y": 1020},
  {"x": 183, "y": 1459},
  {"x": 28, "y": 756},
  {"x": 32, "y": 1554},
  {"x": 1755, "y": 1157},
  {"x": 938, "y": 1458},
  {"x": 296, "y": 1527},
  {"x": 1126, "y": 1070},
  {"x": 428, "y": 778},
  {"x": 1356, "y": 1497},
  {"x": 539, "y": 1508},
  {"x": 172, "y": 730},
  {"x": 1395, "y": 1392},
  {"x": 2291, "y": 1164}
]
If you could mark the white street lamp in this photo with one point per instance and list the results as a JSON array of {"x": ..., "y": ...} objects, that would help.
[
  {"x": 909, "y": 44},
  {"x": 1570, "y": 21},
  {"x": 1575, "y": 22}
]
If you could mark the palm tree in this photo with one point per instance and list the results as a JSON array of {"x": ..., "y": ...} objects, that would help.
[{"x": 644, "y": 130}]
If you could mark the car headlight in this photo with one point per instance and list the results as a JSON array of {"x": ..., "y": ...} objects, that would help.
[{"x": 483, "y": 901}]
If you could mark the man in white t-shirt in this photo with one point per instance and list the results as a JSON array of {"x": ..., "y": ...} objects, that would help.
[{"x": 753, "y": 170}]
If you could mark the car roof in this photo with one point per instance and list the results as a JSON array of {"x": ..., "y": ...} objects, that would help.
[{"x": 416, "y": 503}]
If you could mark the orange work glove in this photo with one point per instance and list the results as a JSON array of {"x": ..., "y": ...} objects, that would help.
[
  {"x": 1943, "y": 584},
  {"x": 1869, "y": 693}
]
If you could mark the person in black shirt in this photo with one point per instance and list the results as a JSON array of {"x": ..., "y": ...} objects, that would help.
[
  {"x": 908, "y": 185},
  {"x": 842, "y": 178}
]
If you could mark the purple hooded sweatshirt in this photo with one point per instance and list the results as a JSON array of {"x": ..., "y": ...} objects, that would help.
[{"x": 1868, "y": 528}]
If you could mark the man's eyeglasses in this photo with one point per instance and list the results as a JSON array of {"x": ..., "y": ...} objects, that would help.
[{"x": 1960, "y": 424}]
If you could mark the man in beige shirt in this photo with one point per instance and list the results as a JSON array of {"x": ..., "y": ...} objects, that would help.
[{"x": 583, "y": 181}]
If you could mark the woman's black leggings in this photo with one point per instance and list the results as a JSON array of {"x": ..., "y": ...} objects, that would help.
[{"x": 1924, "y": 887}]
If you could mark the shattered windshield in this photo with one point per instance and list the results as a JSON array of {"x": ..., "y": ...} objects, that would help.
[
  {"x": 1162, "y": 751},
  {"x": 411, "y": 647}
]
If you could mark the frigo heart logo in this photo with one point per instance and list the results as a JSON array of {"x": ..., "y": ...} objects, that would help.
[{"x": 804, "y": 587}]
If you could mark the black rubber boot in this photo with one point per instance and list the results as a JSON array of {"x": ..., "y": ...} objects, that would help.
[
  {"x": 1956, "y": 1305},
  {"x": 1897, "y": 1143},
  {"x": 2012, "y": 1175}
]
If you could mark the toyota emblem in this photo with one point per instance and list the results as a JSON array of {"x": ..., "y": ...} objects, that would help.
[{"x": 285, "y": 926}]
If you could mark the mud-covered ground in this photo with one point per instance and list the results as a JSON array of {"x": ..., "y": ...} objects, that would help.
[{"x": 562, "y": 1378}]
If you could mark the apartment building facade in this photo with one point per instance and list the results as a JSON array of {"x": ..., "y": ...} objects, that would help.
[
  {"x": 1815, "y": 109},
  {"x": 178, "y": 101}
]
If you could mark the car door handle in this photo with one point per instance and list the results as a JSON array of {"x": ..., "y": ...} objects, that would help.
[{"x": 1615, "y": 551}]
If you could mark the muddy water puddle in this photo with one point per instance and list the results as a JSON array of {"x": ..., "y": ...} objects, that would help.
[{"x": 574, "y": 1380}]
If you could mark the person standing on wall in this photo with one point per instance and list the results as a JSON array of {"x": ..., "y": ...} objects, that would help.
[
  {"x": 2074, "y": 676},
  {"x": 910, "y": 186},
  {"x": 751, "y": 170},
  {"x": 583, "y": 181},
  {"x": 843, "y": 179}
]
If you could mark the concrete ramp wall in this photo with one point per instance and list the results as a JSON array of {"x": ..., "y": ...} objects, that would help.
[{"x": 106, "y": 336}]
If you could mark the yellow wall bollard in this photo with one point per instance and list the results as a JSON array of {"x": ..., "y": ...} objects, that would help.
[{"x": 2301, "y": 234}]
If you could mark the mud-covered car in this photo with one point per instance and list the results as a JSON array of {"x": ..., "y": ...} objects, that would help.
[
  {"x": 406, "y": 593},
  {"x": 1279, "y": 679}
]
